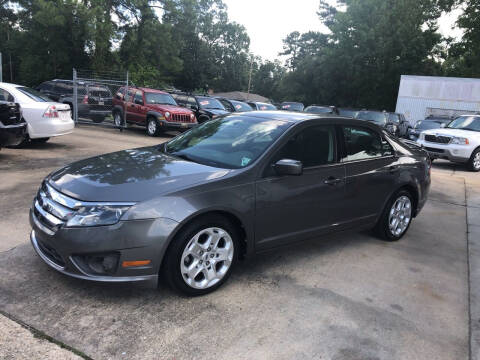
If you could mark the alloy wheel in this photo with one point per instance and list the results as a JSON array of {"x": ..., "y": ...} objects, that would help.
[
  {"x": 476, "y": 161},
  {"x": 207, "y": 258},
  {"x": 118, "y": 120},
  {"x": 152, "y": 127},
  {"x": 400, "y": 215}
]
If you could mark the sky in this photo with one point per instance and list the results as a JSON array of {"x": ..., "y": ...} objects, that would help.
[{"x": 268, "y": 22}]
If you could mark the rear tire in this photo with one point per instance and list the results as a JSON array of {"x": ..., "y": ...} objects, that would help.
[
  {"x": 396, "y": 217},
  {"x": 153, "y": 126},
  {"x": 474, "y": 162},
  {"x": 207, "y": 246},
  {"x": 98, "y": 119}
]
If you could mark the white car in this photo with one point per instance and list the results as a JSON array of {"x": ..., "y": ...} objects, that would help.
[
  {"x": 458, "y": 142},
  {"x": 45, "y": 118}
]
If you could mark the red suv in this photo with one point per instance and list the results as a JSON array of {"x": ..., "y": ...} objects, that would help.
[{"x": 155, "y": 109}]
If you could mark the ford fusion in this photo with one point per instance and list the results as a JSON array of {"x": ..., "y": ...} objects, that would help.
[{"x": 189, "y": 209}]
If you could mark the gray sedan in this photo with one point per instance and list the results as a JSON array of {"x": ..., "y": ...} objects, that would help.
[{"x": 189, "y": 209}]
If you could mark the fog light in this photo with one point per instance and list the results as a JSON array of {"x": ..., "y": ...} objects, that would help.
[{"x": 99, "y": 264}]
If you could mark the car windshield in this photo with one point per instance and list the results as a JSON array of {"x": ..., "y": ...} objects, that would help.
[
  {"x": 471, "y": 123},
  {"x": 210, "y": 103},
  {"x": 431, "y": 124},
  {"x": 395, "y": 118},
  {"x": 240, "y": 106},
  {"x": 319, "y": 110},
  {"x": 347, "y": 112},
  {"x": 232, "y": 142},
  {"x": 262, "y": 106},
  {"x": 159, "y": 99},
  {"x": 374, "y": 116},
  {"x": 292, "y": 106},
  {"x": 34, "y": 94}
]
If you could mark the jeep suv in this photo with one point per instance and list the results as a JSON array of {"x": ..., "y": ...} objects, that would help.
[
  {"x": 94, "y": 101},
  {"x": 154, "y": 109},
  {"x": 205, "y": 107}
]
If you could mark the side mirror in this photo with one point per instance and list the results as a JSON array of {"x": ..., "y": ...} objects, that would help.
[
  {"x": 288, "y": 167},
  {"x": 138, "y": 102},
  {"x": 194, "y": 107}
]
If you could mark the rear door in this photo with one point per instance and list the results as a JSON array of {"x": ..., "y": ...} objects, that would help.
[
  {"x": 291, "y": 208},
  {"x": 130, "y": 106},
  {"x": 137, "y": 106},
  {"x": 371, "y": 170}
]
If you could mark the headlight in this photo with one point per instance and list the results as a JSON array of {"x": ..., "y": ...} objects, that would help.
[
  {"x": 97, "y": 214},
  {"x": 459, "y": 141},
  {"x": 192, "y": 116},
  {"x": 167, "y": 114}
]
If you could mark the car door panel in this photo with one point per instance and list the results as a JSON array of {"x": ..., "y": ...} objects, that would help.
[{"x": 292, "y": 208}]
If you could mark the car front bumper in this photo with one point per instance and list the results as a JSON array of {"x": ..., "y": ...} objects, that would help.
[
  {"x": 11, "y": 135},
  {"x": 170, "y": 125},
  {"x": 454, "y": 153},
  {"x": 68, "y": 249}
]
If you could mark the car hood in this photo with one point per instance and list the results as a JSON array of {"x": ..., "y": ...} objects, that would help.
[
  {"x": 170, "y": 108},
  {"x": 452, "y": 132},
  {"x": 130, "y": 176}
]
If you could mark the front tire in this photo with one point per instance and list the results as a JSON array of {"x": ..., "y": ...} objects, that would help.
[
  {"x": 153, "y": 127},
  {"x": 474, "y": 162},
  {"x": 396, "y": 217},
  {"x": 201, "y": 256}
]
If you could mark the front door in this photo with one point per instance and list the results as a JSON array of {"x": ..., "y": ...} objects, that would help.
[
  {"x": 291, "y": 208},
  {"x": 371, "y": 171}
]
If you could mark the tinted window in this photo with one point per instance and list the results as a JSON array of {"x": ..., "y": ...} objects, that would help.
[
  {"x": 374, "y": 116},
  {"x": 240, "y": 106},
  {"x": 139, "y": 97},
  {"x": 313, "y": 146},
  {"x": 46, "y": 86},
  {"x": 471, "y": 123},
  {"x": 181, "y": 100},
  {"x": 5, "y": 96},
  {"x": 319, "y": 110},
  {"x": 159, "y": 98},
  {"x": 292, "y": 106},
  {"x": 191, "y": 101},
  {"x": 34, "y": 94},
  {"x": 395, "y": 118},
  {"x": 209, "y": 103},
  {"x": 263, "y": 106},
  {"x": 232, "y": 142},
  {"x": 362, "y": 143},
  {"x": 227, "y": 105}
]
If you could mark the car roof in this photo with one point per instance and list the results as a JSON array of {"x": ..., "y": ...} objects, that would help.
[
  {"x": 149, "y": 90},
  {"x": 298, "y": 117}
]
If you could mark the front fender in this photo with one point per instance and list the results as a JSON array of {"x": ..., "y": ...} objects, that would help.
[{"x": 156, "y": 114}]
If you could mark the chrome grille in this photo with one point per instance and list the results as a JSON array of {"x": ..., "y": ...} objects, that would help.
[
  {"x": 52, "y": 209},
  {"x": 180, "y": 118},
  {"x": 438, "y": 139}
]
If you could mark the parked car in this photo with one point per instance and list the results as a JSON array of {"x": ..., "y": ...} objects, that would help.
[
  {"x": 458, "y": 142},
  {"x": 233, "y": 186},
  {"x": 154, "y": 109},
  {"x": 320, "y": 109},
  {"x": 292, "y": 106},
  {"x": 45, "y": 118},
  {"x": 391, "y": 122},
  {"x": 94, "y": 101},
  {"x": 12, "y": 126},
  {"x": 205, "y": 107},
  {"x": 262, "y": 106},
  {"x": 233, "y": 105},
  {"x": 430, "y": 122},
  {"x": 352, "y": 113}
]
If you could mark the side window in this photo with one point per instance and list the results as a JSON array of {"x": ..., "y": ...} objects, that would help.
[
  {"x": 362, "y": 143},
  {"x": 227, "y": 105},
  {"x": 313, "y": 146},
  {"x": 129, "y": 96},
  {"x": 394, "y": 118},
  {"x": 182, "y": 100},
  {"x": 191, "y": 101},
  {"x": 138, "y": 97},
  {"x": 6, "y": 96}
]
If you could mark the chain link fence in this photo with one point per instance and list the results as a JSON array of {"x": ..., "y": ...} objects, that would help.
[{"x": 95, "y": 95}]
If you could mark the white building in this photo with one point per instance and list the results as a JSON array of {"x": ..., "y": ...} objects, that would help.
[{"x": 421, "y": 96}]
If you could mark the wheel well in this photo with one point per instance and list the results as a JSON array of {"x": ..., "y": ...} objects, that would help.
[
  {"x": 233, "y": 219},
  {"x": 414, "y": 192}
]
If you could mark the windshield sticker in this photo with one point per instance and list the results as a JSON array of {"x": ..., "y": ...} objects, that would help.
[
  {"x": 285, "y": 106},
  {"x": 205, "y": 102},
  {"x": 245, "y": 161},
  {"x": 263, "y": 107},
  {"x": 238, "y": 107}
]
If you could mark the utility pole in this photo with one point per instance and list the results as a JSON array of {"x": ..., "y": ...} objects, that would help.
[{"x": 250, "y": 78}]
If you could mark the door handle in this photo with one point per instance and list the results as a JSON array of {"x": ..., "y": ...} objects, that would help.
[{"x": 332, "y": 181}]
